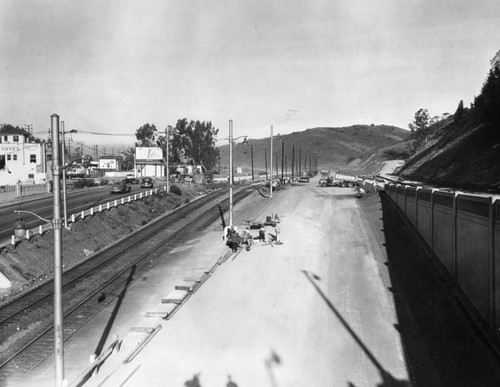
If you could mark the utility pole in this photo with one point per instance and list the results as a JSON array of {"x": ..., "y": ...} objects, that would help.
[
  {"x": 277, "y": 170},
  {"x": 231, "y": 173},
  {"x": 265, "y": 160},
  {"x": 271, "y": 169},
  {"x": 251, "y": 154},
  {"x": 63, "y": 159},
  {"x": 299, "y": 172},
  {"x": 167, "y": 135},
  {"x": 282, "y": 157},
  {"x": 293, "y": 159},
  {"x": 56, "y": 224}
]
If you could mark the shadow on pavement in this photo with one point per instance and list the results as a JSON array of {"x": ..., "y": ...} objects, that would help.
[
  {"x": 441, "y": 346},
  {"x": 109, "y": 325},
  {"x": 387, "y": 379},
  {"x": 195, "y": 381}
]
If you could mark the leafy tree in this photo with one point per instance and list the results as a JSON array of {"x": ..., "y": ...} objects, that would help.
[
  {"x": 419, "y": 130},
  {"x": 146, "y": 135},
  {"x": 195, "y": 142},
  {"x": 128, "y": 159},
  {"x": 487, "y": 104}
]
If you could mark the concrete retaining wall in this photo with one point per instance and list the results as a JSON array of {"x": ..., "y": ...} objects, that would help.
[{"x": 463, "y": 231}]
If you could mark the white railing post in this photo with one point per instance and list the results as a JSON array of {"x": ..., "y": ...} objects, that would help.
[
  {"x": 40, "y": 230},
  {"x": 100, "y": 207},
  {"x": 92, "y": 211},
  {"x": 123, "y": 200},
  {"x": 107, "y": 205},
  {"x": 83, "y": 214},
  {"x": 116, "y": 203},
  {"x": 73, "y": 218}
]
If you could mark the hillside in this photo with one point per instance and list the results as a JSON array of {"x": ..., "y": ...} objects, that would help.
[
  {"x": 464, "y": 153},
  {"x": 353, "y": 147}
]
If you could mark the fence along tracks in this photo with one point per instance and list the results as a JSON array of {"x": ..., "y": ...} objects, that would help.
[{"x": 16, "y": 362}]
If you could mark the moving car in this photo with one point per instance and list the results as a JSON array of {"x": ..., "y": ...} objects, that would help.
[
  {"x": 131, "y": 180},
  {"x": 147, "y": 182},
  {"x": 121, "y": 187}
]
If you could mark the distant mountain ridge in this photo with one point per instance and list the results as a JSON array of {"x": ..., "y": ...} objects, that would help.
[{"x": 333, "y": 147}]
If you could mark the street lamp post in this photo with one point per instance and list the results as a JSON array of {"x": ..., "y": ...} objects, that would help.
[
  {"x": 231, "y": 177},
  {"x": 56, "y": 221}
]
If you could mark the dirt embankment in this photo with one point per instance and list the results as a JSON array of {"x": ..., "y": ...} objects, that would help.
[{"x": 30, "y": 262}]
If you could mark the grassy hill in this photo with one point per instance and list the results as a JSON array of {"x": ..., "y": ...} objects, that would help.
[{"x": 354, "y": 148}]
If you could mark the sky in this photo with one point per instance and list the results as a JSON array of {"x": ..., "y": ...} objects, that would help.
[{"x": 109, "y": 67}]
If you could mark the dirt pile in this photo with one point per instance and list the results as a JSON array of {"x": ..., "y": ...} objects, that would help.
[{"x": 30, "y": 262}]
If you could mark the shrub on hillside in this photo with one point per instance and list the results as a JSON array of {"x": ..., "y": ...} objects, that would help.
[
  {"x": 487, "y": 104},
  {"x": 460, "y": 112},
  {"x": 175, "y": 190},
  {"x": 81, "y": 183},
  {"x": 104, "y": 182}
]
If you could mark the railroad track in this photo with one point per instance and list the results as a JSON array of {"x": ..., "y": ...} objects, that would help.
[{"x": 145, "y": 245}]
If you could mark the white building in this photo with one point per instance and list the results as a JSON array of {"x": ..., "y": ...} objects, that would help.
[{"x": 20, "y": 160}]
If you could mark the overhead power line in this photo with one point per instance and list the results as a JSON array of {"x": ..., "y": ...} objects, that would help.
[{"x": 105, "y": 134}]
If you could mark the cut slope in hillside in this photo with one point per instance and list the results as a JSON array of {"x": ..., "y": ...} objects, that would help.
[
  {"x": 466, "y": 152},
  {"x": 463, "y": 155}
]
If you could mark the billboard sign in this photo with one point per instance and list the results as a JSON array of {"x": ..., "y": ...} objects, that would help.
[
  {"x": 108, "y": 164},
  {"x": 148, "y": 153}
]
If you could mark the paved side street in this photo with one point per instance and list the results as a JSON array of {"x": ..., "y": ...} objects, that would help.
[{"x": 310, "y": 312}]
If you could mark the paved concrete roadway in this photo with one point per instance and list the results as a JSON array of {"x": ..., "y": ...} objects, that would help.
[{"x": 332, "y": 325}]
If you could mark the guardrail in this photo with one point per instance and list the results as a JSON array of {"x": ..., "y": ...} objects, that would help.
[
  {"x": 90, "y": 212},
  {"x": 463, "y": 232}
]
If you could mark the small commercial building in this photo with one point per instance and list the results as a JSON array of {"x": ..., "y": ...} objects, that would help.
[{"x": 22, "y": 159}]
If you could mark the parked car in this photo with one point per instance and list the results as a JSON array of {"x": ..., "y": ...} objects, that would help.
[
  {"x": 131, "y": 180},
  {"x": 121, "y": 187},
  {"x": 147, "y": 182}
]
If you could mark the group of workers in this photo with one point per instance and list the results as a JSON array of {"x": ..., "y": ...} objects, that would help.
[{"x": 234, "y": 238}]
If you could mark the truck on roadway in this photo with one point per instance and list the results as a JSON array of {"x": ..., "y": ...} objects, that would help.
[{"x": 338, "y": 180}]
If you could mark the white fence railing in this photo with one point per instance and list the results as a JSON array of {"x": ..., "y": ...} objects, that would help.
[{"x": 90, "y": 212}]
